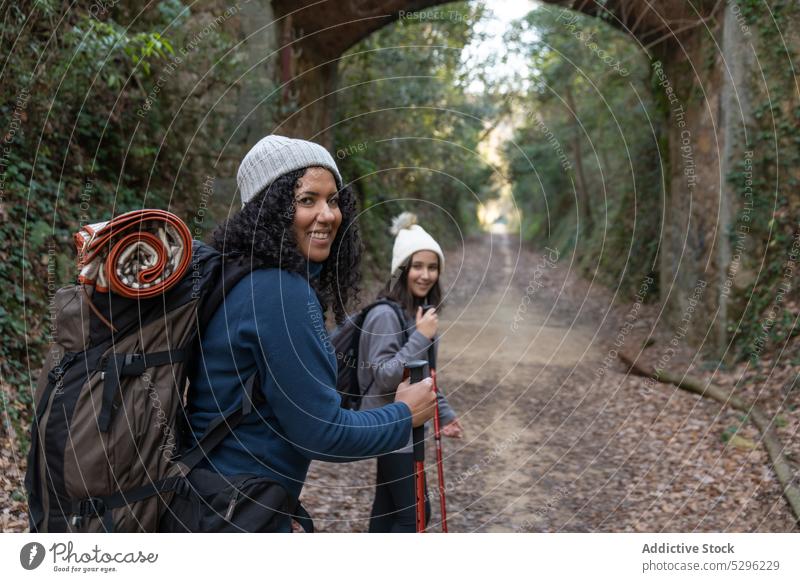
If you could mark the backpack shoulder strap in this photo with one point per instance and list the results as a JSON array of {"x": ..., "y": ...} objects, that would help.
[
  {"x": 231, "y": 271},
  {"x": 398, "y": 311},
  {"x": 361, "y": 317},
  {"x": 222, "y": 426}
]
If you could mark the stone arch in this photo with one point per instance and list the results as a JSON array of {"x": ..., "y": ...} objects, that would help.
[
  {"x": 309, "y": 36},
  {"x": 314, "y": 34}
]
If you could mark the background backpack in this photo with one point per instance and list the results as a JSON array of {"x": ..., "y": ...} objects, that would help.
[
  {"x": 110, "y": 422},
  {"x": 345, "y": 340}
]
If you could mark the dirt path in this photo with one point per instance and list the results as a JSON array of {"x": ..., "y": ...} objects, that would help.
[
  {"x": 559, "y": 437},
  {"x": 510, "y": 365},
  {"x": 524, "y": 353}
]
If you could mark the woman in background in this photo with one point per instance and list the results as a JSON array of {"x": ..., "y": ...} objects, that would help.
[{"x": 386, "y": 344}]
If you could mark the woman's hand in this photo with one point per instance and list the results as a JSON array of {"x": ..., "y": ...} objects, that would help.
[
  {"x": 453, "y": 430},
  {"x": 419, "y": 398},
  {"x": 427, "y": 323}
]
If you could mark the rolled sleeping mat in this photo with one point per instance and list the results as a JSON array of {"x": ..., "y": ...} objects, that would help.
[{"x": 138, "y": 255}]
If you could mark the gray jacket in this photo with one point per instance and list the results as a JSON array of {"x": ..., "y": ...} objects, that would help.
[{"x": 382, "y": 356}]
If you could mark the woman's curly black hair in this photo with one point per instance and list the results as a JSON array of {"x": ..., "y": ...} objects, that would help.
[{"x": 262, "y": 231}]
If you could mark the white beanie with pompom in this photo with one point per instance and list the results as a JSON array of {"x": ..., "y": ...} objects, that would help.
[{"x": 411, "y": 238}]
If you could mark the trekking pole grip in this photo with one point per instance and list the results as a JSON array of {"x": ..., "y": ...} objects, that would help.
[{"x": 416, "y": 370}]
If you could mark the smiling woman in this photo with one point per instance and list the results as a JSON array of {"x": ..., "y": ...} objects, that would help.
[
  {"x": 391, "y": 336},
  {"x": 289, "y": 188},
  {"x": 266, "y": 354},
  {"x": 317, "y": 215}
]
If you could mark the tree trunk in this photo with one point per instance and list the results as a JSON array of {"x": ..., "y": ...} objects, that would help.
[{"x": 584, "y": 210}]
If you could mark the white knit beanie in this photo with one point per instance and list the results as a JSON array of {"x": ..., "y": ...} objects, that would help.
[
  {"x": 274, "y": 156},
  {"x": 411, "y": 238}
]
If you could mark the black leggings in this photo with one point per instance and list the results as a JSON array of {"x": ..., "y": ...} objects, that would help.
[{"x": 395, "y": 509}]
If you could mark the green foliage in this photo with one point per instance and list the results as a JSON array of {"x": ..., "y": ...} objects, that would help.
[
  {"x": 764, "y": 312},
  {"x": 728, "y": 433},
  {"x": 584, "y": 161},
  {"x": 103, "y": 112},
  {"x": 407, "y": 133}
]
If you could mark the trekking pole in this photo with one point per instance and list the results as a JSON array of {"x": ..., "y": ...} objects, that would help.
[
  {"x": 437, "y": 435},
  {"x": 415, "y": 369}
]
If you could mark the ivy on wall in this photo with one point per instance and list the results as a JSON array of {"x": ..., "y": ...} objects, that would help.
[
  {"x": 103, "y": 112},
  {"x": 769, "y": 304}
]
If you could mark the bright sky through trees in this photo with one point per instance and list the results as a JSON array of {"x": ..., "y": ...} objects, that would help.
[{"x": 489, "y": 44}]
